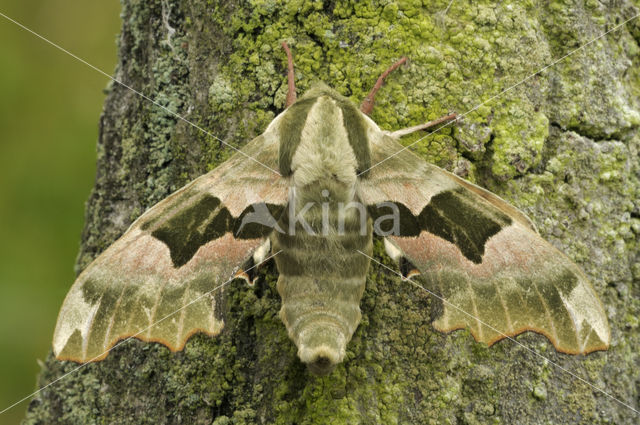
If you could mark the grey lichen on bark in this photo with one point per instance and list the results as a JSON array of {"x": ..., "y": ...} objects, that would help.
[{"x": 562, "y": 146}]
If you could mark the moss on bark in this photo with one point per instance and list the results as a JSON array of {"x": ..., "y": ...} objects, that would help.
[{"x": 562, "y": 146}]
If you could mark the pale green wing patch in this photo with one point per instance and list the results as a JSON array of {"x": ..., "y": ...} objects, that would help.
[
  {"x": 156, "y": 282},
  {"x": 496, "y": 275}
]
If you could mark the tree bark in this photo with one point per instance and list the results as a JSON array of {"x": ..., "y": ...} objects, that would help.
[{"x": 562, "y": 146}]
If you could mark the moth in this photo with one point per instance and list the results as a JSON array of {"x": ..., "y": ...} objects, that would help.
[{"x": 340, "y": 182}]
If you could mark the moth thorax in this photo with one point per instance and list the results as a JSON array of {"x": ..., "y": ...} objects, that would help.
[
  {"x": 324, "y": 152},
  {"x": 325, "y": 191}
]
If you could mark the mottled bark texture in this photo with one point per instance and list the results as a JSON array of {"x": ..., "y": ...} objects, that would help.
[{"x": 562, "y": 146}]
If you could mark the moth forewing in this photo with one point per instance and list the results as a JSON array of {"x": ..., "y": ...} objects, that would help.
[
  {"x": 155, "y": 283},
  {"x": 495, "y": 275}
]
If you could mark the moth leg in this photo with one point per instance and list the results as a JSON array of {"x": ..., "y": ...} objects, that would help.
[
  {"x": 291, "y": 93},
  {"x": 249, "y": 270},
  {"x": 405, "y": 131},
  {"x": 367, "y": 104},
  {"x": 407, "y": 269},
  {"x": 262, "y": 251}
]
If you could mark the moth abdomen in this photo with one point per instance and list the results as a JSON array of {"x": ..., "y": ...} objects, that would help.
[
  {"x": 321, "y": 314},
  {"x": 322, "y": 279}
]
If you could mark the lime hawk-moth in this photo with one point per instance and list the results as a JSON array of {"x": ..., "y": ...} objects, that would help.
[{"x": 314, "y": 190}]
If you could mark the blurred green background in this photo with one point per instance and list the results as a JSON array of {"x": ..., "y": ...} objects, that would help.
[{"x": 49, "y": 109}]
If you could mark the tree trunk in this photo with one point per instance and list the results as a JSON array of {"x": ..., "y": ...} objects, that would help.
[{"x": 562, "y": 146}]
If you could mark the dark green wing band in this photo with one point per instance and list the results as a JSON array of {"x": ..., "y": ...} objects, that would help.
[
  {"x": 453, "y": 215},
  {"x": 208, "y": 219}
]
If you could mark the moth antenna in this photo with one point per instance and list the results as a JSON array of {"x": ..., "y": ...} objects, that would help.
[
  {"x": 291, "y": 94},
  {"x": 409, "y": 130},
  {"x": 367, "y": 104}
]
